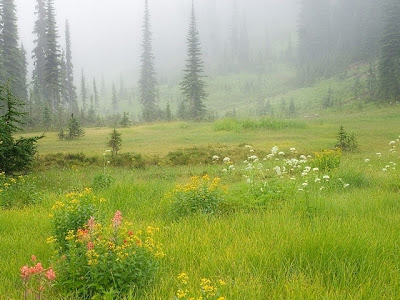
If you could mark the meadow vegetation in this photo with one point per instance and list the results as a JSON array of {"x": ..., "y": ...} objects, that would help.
[{"x": 251, "y": 213}]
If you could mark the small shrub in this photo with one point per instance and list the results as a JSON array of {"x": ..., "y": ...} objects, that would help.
[
  {"x": 36, "y": 279},
  {"x": 115, "y": 142},
  {"x": 72, "y": 213},
  {"x": 200, "y": 195},
  {"x": 18, "y": 191},
  {"x": 327, "y": 160},
  {"x": 345, "y": 141},
  {"x": 102, "y": 181},
  {"x": 208, "y": 290},
  {"x": 111, "y": 260}
]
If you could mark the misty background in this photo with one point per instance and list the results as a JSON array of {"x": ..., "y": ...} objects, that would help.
[{"x": 106, "y": 34}]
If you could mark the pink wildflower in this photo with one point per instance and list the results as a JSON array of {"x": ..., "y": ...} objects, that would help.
[
  {"x": 90, "y": 245},
  {"x": 38, "y": 268},
  {"x": 50, "y": 274},
  {"x": 117, "y": 218},
  {"x": 91, "y": 223},
  {"x": 25, "y": 272},
  {"x": 33, "y": 258}
]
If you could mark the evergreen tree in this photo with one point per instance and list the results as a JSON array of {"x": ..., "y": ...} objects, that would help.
[
  {"x": 193, "y": 86},
  {"x": 115, "y": 142},
  {"x": 52, "y": 55},
  {"x": 39, "y": 52},
  {"x": 125, "y": 122},
  {"x": 147, "y": 81},
  {"x": 168, "y": 114},
  {"x": 63, "y": 81},
  {"x": 74, "y": 129},
  {"x": 389, "y": 65},
  {"x": 235, "y": 34},
  {"x": 11, "y": 54},
  {"x": 84, "y": 96},
  {"x": 15, "y": 155},
  {"x": 70, "y": 87},
  {"x": 96, "y": 96},
  {"x": 114, "y": 100},
  {"x": 24, "y": 73}
]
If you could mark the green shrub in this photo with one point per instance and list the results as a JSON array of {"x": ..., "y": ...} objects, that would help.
[
  {"x": 72, "y": 212},
  {"x": 102, "y": 181},
  {"x": 18, "y": 191},
  {"x": 111, "y": 260},
  {"x": 345, "y": 141},
  {"x": 200, "y": 195}
]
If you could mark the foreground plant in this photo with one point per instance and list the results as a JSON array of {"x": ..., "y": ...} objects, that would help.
[
  {"x": 72, "y": 212},
  {"x": 207, "y": 289},
  {"x": 113, "y": 259},
  {"x": 200, "y": 195},
  {"x": 36, "y": 279}
]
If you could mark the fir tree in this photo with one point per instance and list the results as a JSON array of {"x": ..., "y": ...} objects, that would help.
[
  {"x": 70, "y": 87},
  {"x": 235, "y": 34},
  {"x": 39, "y": 52},
  {"x": 389, "y": 66},
  {"x": 244, "y": 46},
  {"x": 114, "y": 100},
  {"x": 168, "y": 113},
  {"x": 84, "y": 96},
  {"x": 193, "y": 86},
  {"x": 96, "y": 96},
  {"x": 24, "y": 73},
  {"x": 115, "y": 142},
  {"x": 125, "y": 122},
  {"x": 63, "y": 81},
  {"x": 11, "y": 54},
  {"x": 74, "y": 129},
  {"x": 52, "y": 66},
  {"x": 147, "y": 81},
  {"x": 15, "y": 155}
]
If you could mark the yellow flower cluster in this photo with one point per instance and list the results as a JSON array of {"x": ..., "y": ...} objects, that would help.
[
  {"x": 208, "y": 290},
  {"x": 73, "y": 200},
  {"x": 327, "y": 160}
]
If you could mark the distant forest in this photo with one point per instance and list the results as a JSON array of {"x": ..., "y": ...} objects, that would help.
[{"x": 331, "y": 36}]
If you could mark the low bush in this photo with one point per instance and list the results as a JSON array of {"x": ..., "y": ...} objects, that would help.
[
  {"x": 111, "y": 260},
  {"x": 200, "y": 195}
]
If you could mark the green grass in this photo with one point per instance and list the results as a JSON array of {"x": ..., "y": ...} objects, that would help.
[{"x": 339, "y": 243}]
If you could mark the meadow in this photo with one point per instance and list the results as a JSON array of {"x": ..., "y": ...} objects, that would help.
[{"x": 292, "y": 225}]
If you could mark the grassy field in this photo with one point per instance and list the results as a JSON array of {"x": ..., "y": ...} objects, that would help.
[{"x": 289, "y": 241}]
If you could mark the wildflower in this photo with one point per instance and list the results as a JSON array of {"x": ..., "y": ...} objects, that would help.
[
  {"x": 292, "y": 149},
  {"x": 305, "y": 184},
  {"x": 317, "y": 179},
  {"x": 248, "y": 146},
  {"x": 315, "y": 169},
  {"x": 392, "y": 143},
  {"x": 25, "y": 272},
  {"x": 50, "y": 274},
  {"x": 33, "y": 258},
  {"x": 183, "y": 278},
  {"x": 367, "y": 160},
  {"x": 379, "y": 154},
  {"x": 281, "y": 153},
  {"x": 384, "y": 169},
  {"x": 221, "y": 282},
  {"x": 278, "y": 170},
  {"x": 303, "y": 157},
  {"x": 116, "y": 221},
  {"x": 91, "y": 223},
  {"x": 38, "y": 268},
  {"x": 226, "y": 160},
  {"x": 180, "y": 294},
  {"x": 346, "y": 185},
  {"x": 274, "y": 150},
  {"x": 253, "y": 158},
  {"x": 215, "y": 158}
]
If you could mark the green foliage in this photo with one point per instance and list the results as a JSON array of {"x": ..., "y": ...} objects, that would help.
[
  {"x": 71, "y": 213},
  {"x": 111, "y": 260},
  {"x": 102, "y": 181},
  {"x": 229, "y": 124},
  {"x": 125, "y": 122},
  {"x": 200, "y": 195},
  {"x": 115, "y": 142},
  {"x": 345, "y": 141},
  {"x": 74, "y": 129},
  {"x": 327, "y": 160},
  {"x": 18, "y": 192},
  {"x": 192, "y": 85},
  {"x": 15, "y": 155}
]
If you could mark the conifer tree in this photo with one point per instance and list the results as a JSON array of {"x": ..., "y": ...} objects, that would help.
[
  {"x": 125, "y": 122},
  {"x": 115, "y": 142},
  {"x": 84, "y": 96},
  {"x": 147, "y": 81},
  {"x": 24, "y": 73},
  {"x": 389, "y": 66},
  {"x": 72, "y": 101},
  {"x": 63, "y": 81},
  {"x": 2, "y": 72},
  {"x": 11, "y": 54},
  {"x": 52, "y": 66},
  {"x": 193, "y": 86},
  {"x": 74, "y": 128},
  {"x": 114, "y": 100},
  {"x": 235, "y": 33},
  {"x": 96, "y": 96},
  {"x": 39, "y": 52},
  {"x": 244, "y": 45}
]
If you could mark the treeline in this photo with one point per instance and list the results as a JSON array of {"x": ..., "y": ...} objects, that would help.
[{"x": 335, "y": 34}]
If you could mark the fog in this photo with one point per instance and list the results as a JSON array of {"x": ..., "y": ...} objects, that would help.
[{"x": 106, "y": 34}]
